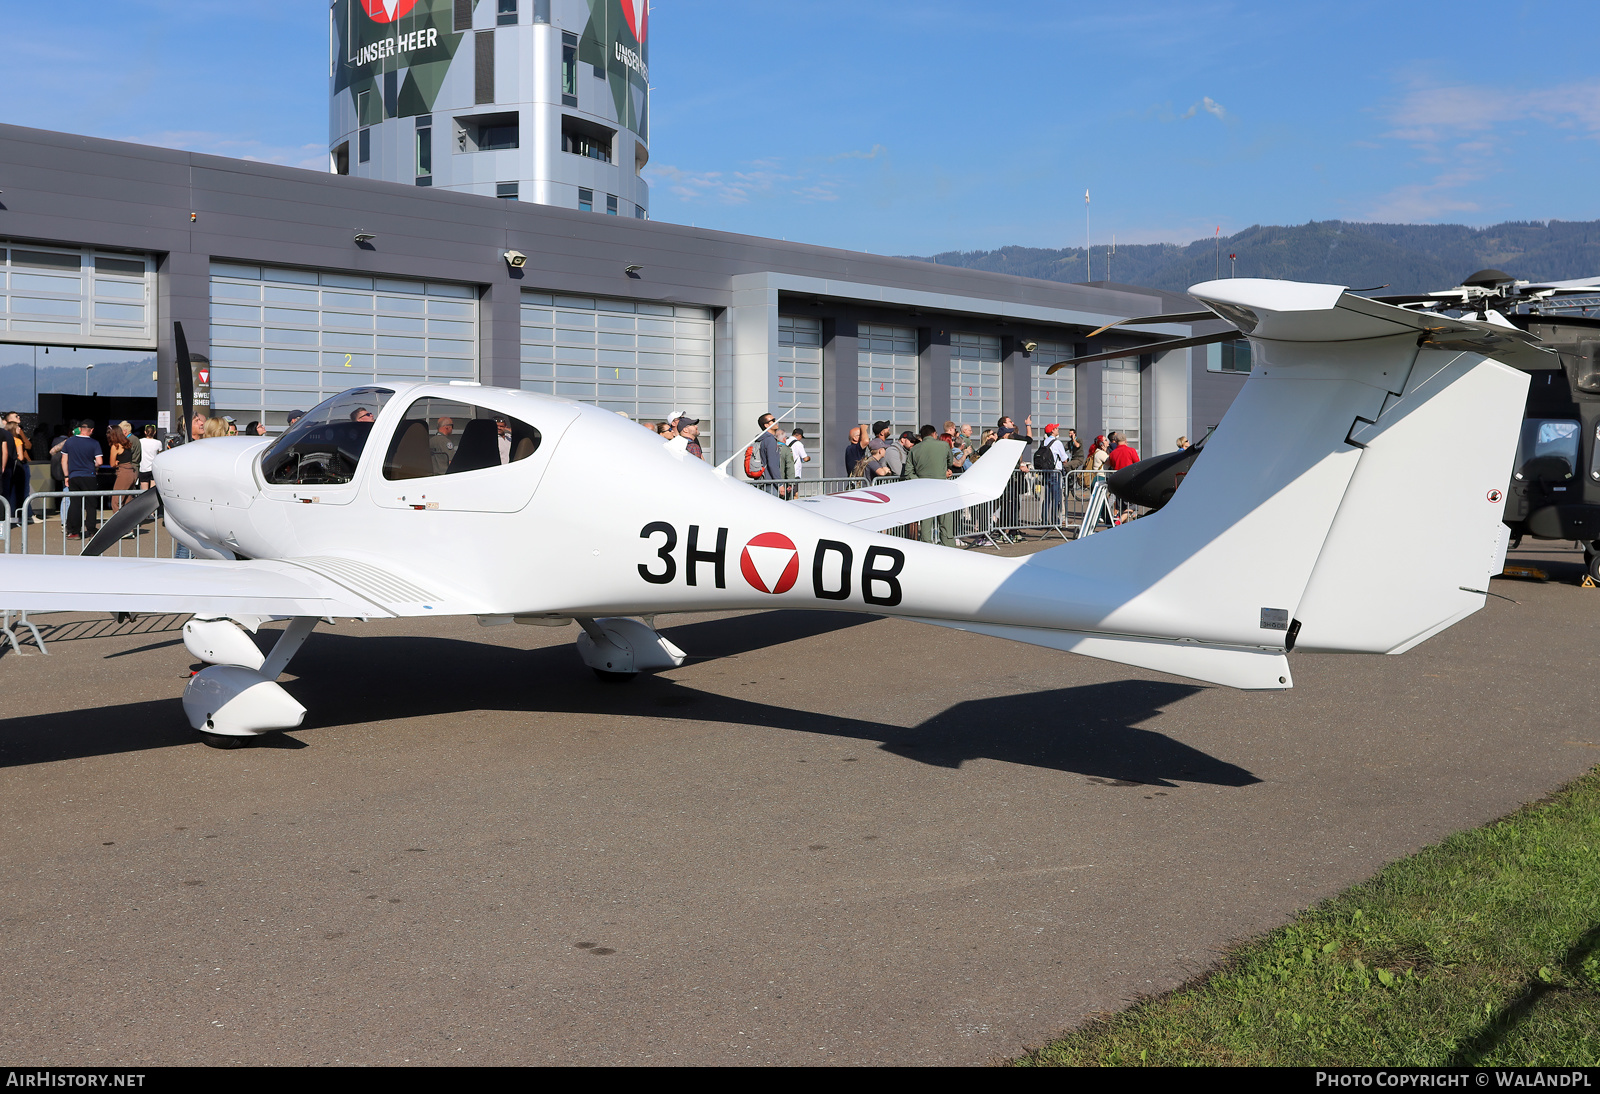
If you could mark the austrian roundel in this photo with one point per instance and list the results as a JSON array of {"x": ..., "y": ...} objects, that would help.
[
  {"x": 387, "y": 11},
  {"x": 770, "y": 563},
  {"x": 637, "y": 13}
]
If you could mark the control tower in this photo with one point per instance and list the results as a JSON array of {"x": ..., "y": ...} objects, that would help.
[{"x": 529, "y": 100}]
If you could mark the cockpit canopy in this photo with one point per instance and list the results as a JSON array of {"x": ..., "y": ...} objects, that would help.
[
  {"x": 324, "y": 447},
  {"x": 1548, "y": 450},
  {"x": 449, "y": 437}
]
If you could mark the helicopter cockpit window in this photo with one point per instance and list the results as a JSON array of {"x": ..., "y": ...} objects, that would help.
[
  {"x": 446, "y": 437},
  {"x": 324, "y": 447},
  {"x": 1548, "y": 450}
]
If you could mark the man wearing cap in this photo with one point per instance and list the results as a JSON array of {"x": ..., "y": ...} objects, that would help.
[
  {"x": 687, "y": 437},
  {"x": 294, "y": 416},
  {"x": 878, "y": 466},
  {"x": 1053, "y": 464},
  {"x": 443, "y": 444},
  {"x": 797, "y": 445}
]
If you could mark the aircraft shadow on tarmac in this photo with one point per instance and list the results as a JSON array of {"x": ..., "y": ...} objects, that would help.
[{"x": 350, "y": 679}]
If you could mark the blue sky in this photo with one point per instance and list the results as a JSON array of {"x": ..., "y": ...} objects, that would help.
[{"x": 912, "y": 128}]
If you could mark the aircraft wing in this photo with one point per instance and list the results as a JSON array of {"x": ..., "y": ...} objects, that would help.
[
  {"x": 300, "y": 587},
  {"x": 878, "y": 507}
]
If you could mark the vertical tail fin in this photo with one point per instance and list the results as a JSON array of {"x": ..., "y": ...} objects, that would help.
[{"x": 1351, "y": 488}]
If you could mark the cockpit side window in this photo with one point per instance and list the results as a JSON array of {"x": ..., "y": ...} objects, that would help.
[
  {"x": 447, "y": 437},
  {"x": 324, "y": 447},
  {"x": 1548, "y": 450}
]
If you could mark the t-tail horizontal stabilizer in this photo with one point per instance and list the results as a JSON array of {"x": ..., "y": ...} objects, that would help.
[{"x": 1336, "y": 508}]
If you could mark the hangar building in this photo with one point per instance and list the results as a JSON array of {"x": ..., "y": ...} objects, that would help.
[{"x": 292, "y": 285}]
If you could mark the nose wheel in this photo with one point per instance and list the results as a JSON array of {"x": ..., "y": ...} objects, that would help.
[{"x": 223, "y": 740}]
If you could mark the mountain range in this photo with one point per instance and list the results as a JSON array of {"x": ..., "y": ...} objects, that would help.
[{"x": 1404, "y": 257}]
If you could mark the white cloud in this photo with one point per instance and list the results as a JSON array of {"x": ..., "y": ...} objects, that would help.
[
  {"x": 1432, "y": 114},
  {"x": 1467, "y": 132},
  {"x": 1210, "y": 106},
  {"x": 761, "y": 179}
]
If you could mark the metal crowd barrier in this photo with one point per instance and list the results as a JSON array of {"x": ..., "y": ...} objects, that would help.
[
  {"x": 149, "y": 540},
  {"x": 1033, "y": 503}
]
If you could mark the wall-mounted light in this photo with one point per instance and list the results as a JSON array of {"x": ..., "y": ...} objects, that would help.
[
  {"x": 1029, "y": 347},
  {"x": 633, "y": 271},
  {"x": 365, "y": 237},
  {"x": 515, "y": 259}
]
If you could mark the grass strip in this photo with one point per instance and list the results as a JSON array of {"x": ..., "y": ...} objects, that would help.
[{"x": 1483, "y": 949}]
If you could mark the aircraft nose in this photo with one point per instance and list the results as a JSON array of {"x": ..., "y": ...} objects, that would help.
[{"x": 217, "y": 471}]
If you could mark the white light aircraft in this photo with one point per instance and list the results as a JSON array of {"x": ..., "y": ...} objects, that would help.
[{"x": 1299, "y": 528}]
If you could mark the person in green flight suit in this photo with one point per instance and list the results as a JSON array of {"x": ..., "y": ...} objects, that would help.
[{"x": 931, "y": 458}]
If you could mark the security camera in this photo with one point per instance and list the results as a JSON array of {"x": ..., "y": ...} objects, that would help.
[
  {"x": 515, "y": 259},
  {"x": 1030, "y": 346}
]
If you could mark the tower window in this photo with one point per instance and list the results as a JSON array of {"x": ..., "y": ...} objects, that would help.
[
  {"x": 364, "y": 144},
  {"x": 507, "y": 13},
  {"x": 585, "y": 200},
  {"x": 506, "y": 190},
  {"x": 638, "y": 212},
  {"x": 611, "y": 205},
  {"x": 569, "y": 69},
  {"x": 488, "y": 132},
  {"x": 425, "y": 146},
  {"x": 463, "y": 15},
  {"x": 541, "y": 11},
  {"x": 583, "y": 138}
]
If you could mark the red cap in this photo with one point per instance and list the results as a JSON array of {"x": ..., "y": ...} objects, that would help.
[{"x": 1052, "y": 427}]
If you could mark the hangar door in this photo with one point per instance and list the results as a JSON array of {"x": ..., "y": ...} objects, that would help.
[
  {"x": 886, "y": 374},
  {"x": 1054, "y": 397},
  {"x": 974, "y": 378},
  {"x": 1119, "y": 398},
  {"x": 76, "y": 296},
  {"x": 643, "y": 359},
  {"x": 285, "y": 339},
  {"x": 797, "y": 383}
]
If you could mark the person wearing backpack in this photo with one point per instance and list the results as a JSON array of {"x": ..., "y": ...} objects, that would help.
[
  {"x": 1051, "y": 459},
  {"x": 762, "y": 463}
]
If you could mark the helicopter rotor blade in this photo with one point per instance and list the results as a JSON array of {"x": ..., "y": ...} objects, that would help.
[
  {"x": 1170, "y": 317},
  {"x": 1148, "y": 347}
]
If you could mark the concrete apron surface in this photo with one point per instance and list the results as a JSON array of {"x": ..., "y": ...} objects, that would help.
[{"x": 827, "y": 839}]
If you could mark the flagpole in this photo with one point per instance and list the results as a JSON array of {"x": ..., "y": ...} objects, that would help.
[{"x": 1088, "y": 270}]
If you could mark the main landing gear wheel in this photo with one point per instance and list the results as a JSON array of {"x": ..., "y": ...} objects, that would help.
[
  {"x": 605, "y": 676},
  {"x": 1591, "y": 561},
  {"x": 223, "y": 740}
]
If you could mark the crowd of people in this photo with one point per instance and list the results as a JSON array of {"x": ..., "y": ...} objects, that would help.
[{"x": 83, "y": 460}]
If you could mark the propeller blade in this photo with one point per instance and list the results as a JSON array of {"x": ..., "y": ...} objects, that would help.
[
  {"x": 185, "y": 383},
  {"x": 1170, "y": 317},
  {"x": 1149, "y": 347},
  {"x": 132, "y": 514}
]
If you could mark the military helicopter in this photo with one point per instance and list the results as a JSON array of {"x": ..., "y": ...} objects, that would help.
[{"x": 1554, "y": 487}]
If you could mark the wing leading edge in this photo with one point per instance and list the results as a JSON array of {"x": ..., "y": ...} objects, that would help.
[{"x": 147, "y": 585}]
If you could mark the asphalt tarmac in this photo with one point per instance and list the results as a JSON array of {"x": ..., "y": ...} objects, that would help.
[{"x": 828, "y": 839}]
